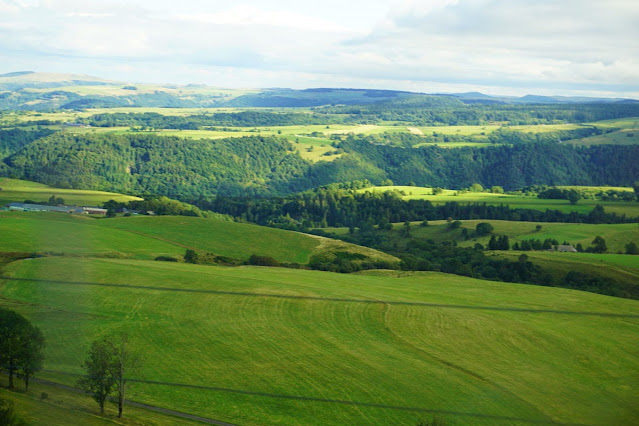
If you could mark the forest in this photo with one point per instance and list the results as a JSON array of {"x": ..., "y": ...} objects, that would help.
[
  {"x": 148, "y": 164},
  {"x": 433, "y": 110}
]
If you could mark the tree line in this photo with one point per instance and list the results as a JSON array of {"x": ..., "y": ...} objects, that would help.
[
  {"x": 439, "y": 110},
  {"x": 328, "y": 207}
]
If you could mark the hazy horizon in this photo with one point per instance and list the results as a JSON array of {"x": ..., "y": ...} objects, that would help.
[{"x": 496, "y": 47}]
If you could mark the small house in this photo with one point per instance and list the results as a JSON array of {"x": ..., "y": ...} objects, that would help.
[{"x": 566, "y": 248}]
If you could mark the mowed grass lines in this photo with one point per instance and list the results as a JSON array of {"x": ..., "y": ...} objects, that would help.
[
  {"x": 15, "y": 190},
  {"x": 237, "y": 240},
  {"x": 462, "y": 363},
  {"x": 146, "y": 237},
  {"x": 629, "y": 208}
]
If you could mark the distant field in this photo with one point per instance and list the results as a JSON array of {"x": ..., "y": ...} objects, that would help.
[
  {"x": 627, "y": 135},
  {"x": 14, "y": 190},
  {"x": 145, "y": 237},
  {"x": 615, "y": 266},
  {"x": 463, "y": 364},
  {"x": 616, "y": 236},
  {"x": 629, "y": 208},
  {"x": 624, "y": 123},
  {"x": 620, "y": 137}
]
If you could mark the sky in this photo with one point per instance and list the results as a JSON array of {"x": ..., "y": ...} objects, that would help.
[{"x": 506, "y": 47}]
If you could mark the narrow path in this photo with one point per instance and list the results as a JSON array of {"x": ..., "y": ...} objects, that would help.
[{"x": 141, "y": 405}]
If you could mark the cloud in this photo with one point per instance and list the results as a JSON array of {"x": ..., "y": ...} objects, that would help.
[
  {"x": 585, "y": 45},
  {"x": 512, "y": 42}
]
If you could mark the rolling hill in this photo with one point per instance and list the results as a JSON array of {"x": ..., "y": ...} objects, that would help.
[
  {"x": 146, "y": 237},
  {"x": 254, "y": 345}
]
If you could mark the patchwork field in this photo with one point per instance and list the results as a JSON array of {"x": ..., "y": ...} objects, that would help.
[{"x": 348, "y": 351}]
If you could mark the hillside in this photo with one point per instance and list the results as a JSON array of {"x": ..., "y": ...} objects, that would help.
[
  {"x": 14, "y": 190},
  {"x": 146, "y": 237},
  {"x": 266, "y": 345},
  {"x": 189, "y": 169},
  {"x": 518, "y": 201}
]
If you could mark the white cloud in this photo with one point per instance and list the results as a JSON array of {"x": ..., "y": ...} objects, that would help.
[{"x": 586, "y": 45}]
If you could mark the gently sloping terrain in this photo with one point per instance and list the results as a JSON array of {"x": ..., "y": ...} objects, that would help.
[
  {"x": 15, "y": 190},
  {"x": 254, "y": 345},
  {"x": 146, "y": 237}
]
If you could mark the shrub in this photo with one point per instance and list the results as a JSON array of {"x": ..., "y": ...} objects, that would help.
[
  {"x": 166, "y": 259},
  {"x": 262, "y": 261}
]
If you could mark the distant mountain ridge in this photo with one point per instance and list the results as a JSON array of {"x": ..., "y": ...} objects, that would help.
[{"x": 26, "y": 90}]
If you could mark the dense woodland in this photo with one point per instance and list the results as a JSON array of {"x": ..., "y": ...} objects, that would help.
[
  {"x": 327, "y": 207},
  {"x": 266, "y": 166},
  {"x": 152, "y": 120},
  {"x": 440, "y": 110}
]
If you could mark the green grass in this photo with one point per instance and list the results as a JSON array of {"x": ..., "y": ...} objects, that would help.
[
  {"x": 618, "y": 267},
  {"x": 14, "y": 190},
  {"x": 63, "y": 408},
  {"x": 619, "y": 137},
  {"x": 629, "y": 208},
  {"x": 146, "y": 237},
  {"x": 622, "y": 123},
  {"x": 616, "y": 236},
  {"x": 627, "y": 133},
  {"x": 536, "y": 366}
]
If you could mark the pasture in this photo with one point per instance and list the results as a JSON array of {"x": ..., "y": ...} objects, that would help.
[
  {"x": 14, "y": 190},
  {"x": 476, "y": 352},
  {"x": 146, "y": 237},
  {"x": 629, "y": 208},
  {"x": 618, "y": 137}
]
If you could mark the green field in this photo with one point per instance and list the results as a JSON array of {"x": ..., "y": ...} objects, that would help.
[
  {"x": 619, "y": 137},
  {"x": 63, "y": 408},
  {"x": 629, "y": 208},
  {"x": 623, "y": 123},
  {"x": 624, "y": 268},
  {"x": 145, "y": 237},
  {"x": 627, "y": 133},
  {"x": 461, "y": 364},
  {"x": 14, "y": 190},
  {"x": 616, "y": 236}
]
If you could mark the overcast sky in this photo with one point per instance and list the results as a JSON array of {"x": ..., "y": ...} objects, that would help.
[{"x": 570, "y": 47}]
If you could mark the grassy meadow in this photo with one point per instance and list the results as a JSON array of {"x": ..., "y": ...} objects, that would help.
[
  {"x": 244, "y": 329},
  {"x": 629, "y": 208},
  {"x": 14, "y": 190},
  {"x": 146, "y": 237}
]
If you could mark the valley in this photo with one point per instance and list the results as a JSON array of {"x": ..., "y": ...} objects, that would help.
[{"x": 323, "y": 256}]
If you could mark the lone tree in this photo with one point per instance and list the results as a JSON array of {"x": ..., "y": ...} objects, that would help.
[
  {"x": 631, "y": 248},
  {"x": 125, "y": 361},
  {"x": 21, "y": 346},
  {"x": 190, "y": 256},
  {"x": 32, "y": 356},
  {"x": 98, "y": 382},
  {"x": 599, "y": 245},
  {"x": 483, "y": 228},
  {"x": 109, "y": 360},
  {"x": 573, "y": 196}
]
